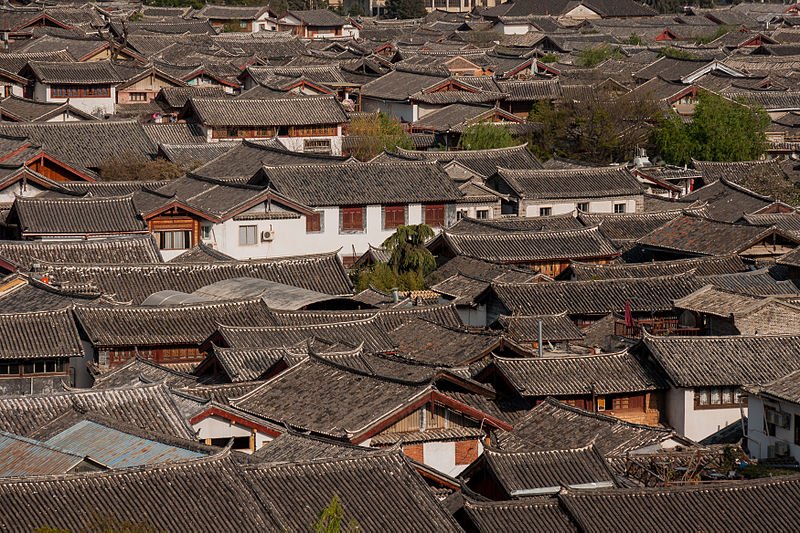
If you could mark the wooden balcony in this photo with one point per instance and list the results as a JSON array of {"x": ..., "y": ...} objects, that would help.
[{"x": 655, "y": 326}]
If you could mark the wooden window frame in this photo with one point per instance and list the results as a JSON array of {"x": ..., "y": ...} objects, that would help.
[
  {"x": 246, "y": 228},
  {"x": 734, "y": 391},
  {"x": 432, "y": 217},
  {"x": 348, "y": 217},
  {"x": 545, "y": 211},
  {"x": 623, "y": 208},
  {"x": 80, "y": 91},
  {"x": 394, "y": 216},
  {"x": 314, "y": 222}
]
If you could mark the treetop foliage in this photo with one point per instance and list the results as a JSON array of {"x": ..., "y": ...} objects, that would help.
[
  {"x": 485, "y": 136},
  {"x": 720, "y": 130},
  {"x": 376, "y": 133},
  {"x": 404, "y": 9}
]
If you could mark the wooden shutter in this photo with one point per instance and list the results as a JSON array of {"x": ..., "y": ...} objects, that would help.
[
  {"x": 314, "y": 223},
  {"x": 353, "y": 218},
  {"x": 434, "y": 215},
  {"x": 393, "y": 216}
]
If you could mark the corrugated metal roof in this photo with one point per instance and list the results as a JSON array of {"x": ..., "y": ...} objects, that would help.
[
  {"x": 117, "y": 449},
  {"x": 20, "y": 456}
]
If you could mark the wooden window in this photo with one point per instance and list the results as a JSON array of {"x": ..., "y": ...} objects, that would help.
[
  {"x": 717, "y": 398},
  {"x": 601, "y": 404},
  {"x": 317, "y": 146},
  {"x": 80, "y": 91},
  {"x": 173, "y": 240},
  {"x": 466, "y": 451},
  {"x": 9, "y": 369},
  {"x": 415, "y": 452},
  {"x": 138, "y": 97},
  {"x": 583, "y": 206},
  {"x": 434, "y": 215},
  {"x": 352, "y": 218},
  {"x": 619, "y": 208},
  {"x": 312, "y": 131},
  {"x": 45, "y": 366},
  {"x": 545, "y": 211},
  {"x": 248, "y": 235},
  {"x": 393, "y": 216},
  {"x": 314, "y": 222},
  {"x": 623, "y": 403},
  {"x": 482, "y": 214}
]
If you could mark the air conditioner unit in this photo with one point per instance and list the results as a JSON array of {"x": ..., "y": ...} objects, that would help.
[
  {"x": 267, "y": 236},
  {"x": 781, "y": 448},
  {"x": 779, "y": 419}
]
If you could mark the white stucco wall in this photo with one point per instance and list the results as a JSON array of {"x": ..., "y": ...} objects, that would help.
[
  {"x": 442, "y": 457},
  {"x": 93, "y": 106},
  {"x": 214, "y": 427},
  {"x": 696, "y": 424},
  {"x": 403, "y": 111},
  {"x": 513, "y": 29},
  {"x": 290, "y": 237},
  {"x": 757, "y": 439},
  {"x": 605, "y": 205}
]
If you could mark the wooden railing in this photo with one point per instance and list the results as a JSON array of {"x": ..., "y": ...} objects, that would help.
[{"x": 654, "y": 326}]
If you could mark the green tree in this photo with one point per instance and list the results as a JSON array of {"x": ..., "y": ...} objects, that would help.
[
  {"x": 331, "y": 519},
  {"x": 409, "y": 262},
  {"x": 486, "y": 135},
  {"x": 404, "y": 9},
  {"x": 720, "y": 130},
  {"x": 595, "y": 55},
  {"x": 375, "y": 133},
  {"x": 603, "y": 129}
]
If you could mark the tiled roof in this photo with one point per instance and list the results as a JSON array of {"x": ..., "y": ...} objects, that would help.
[
  {"x": 700, "y": 235},
  {"x": 90, "y": 72},
  {"x": 351, "y": 334},
  {"x": 152, "y": 326},
  {"x": 363, "y": 183},
  {"x": 276, "y": 112},
  {"x": 183, "y": 134},
  {"x": 719, "y": 302},
  {"x": 176, "y": 97},
  {"x": 379, "y": 492},
  {"x": 319, "y": 17},
  {"x": 578, "y": 375},
  {"x": 727, "y": 201},
  {"x": 148, "y": 407},
  {"x": 399, "y": 85},
  {"x": 39, "y": 335},
  {"x": 758, "y": 282},
  {"x": 725, "y": 361},
  {"x": 594, "y": 297},
  {"x": 293, "y": 446},
  {"x": 167, "y": 496},
  {"x": 484, "y": 162},
  {"x": 759, "y": 505},
  {"x": 442, "y": 346},
  {"x": 138, "y": 372},
  {"x": 247, "y": 157},
  {"x": 631, "y": 226},
  {"x": 702, "y": 266},
  {"x": 322, "y": 273},
  {"x": 555, "y": 425},
  {"x": 546, "y": 472},
  {"x": 76, "y": 216},
  {"x": 24, "y": 110},
  {"x": 597, "y": 182},
  {"x": 516, "y": 516},
  {"x": 100, "y": 140},
  {"x": 518, "y": 247},
  {"x": 133, "y": 249},
  {"x": 785, "y": 388},
  {"x": 356, "y": 400},
  {"x": 525, "y": 329},
  {"x": 389, "y": 319}
]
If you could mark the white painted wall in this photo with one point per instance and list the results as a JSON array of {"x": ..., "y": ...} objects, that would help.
[
  {"x": 403, "y": 111},
  {"x": 605, "y": 205},
  {"x": 290, "y": 237},
  {"x": 214, "y": 427},
  {"x": 696, "y": 424},
  {"x": 442, "y": 457},
  {"x": 94, "y": 106},
  {"x": 513, "y": 29},
  {"x": 757, "y": 439}
]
